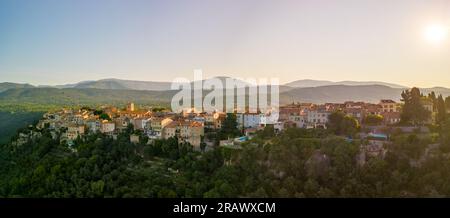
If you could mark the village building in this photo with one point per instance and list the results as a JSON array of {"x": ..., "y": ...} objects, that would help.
[
  {"x": 299, "y": 120},
  {"x": 317, "y": 118},
  {"x": 122, "y": 122},
  {"x": 388, "y": 105},
  {"x": 74, "y": 131},
  {"x": 191, "y": 132},
  {"x": 355, "y": 112},
  {"x": 170, "y": 130},
  {"x": 157, "y": 124},
  {"x": 140, "y": 123},
  {"x": 130, "y": 107},
  {"x": 107, "y": 127},
  {"x": 218, "y": 119},
  {"x": 391, "y": 118},
  {"x": 372, "y": 109},
  {"x": 93, "y": 125},
  {"x": 248, "y": 120},
  {"x": 289, "y": 110}
]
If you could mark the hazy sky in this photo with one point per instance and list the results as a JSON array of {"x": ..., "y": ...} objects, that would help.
[{"x": 62, "y": 41}]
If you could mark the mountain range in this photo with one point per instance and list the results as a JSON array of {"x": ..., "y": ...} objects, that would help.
[
  {"x": 160, "y": 86},
  {"x": 119, "y": 84},
  {"x": 146, "y": 92},
  {"x": 5, "y": 86},
  {"x": 316, "y": 83}
]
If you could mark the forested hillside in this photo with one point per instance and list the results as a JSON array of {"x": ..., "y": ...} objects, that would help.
[
  {"x": 296, "y": 163},
  {"x": 70, "y": 97},
  {"x": 11, "y": 121}
]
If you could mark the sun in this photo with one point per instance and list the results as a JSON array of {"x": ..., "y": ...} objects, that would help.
[{"x": 436, "y": 33}]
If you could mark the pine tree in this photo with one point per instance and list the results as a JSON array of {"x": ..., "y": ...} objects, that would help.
[
  {"x": 441, "y": 110},
  {"x": 413, "y": 111},
  {"x": 432, "y": 97},
  {"x": 447, "y": 103},
  {"x": 229, "y": 127}
]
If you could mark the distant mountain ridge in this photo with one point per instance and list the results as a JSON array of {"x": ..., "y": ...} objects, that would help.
[
  {"x": 115, "y": 90},
  {"x": 89, "y": 96},
  {"x": 317, "y": 83},
  {"x": 85, "y": 96},
  {"x": 341, "y": 93},
  {"x": 160, "y": 86},
  {"x": 120, "y": 85},
  {"x": 7, "y": 85}
]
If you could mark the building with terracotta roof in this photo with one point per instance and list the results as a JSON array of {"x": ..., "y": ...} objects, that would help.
[
  {"x": 171, "y": 130},
  {"x": 388, "y": 105},
  {"x": 187, "y": 131},
  {"x": 74, "y": 131},
  {"x": 130, "y": 106},
  {"x": 390, "y": 118}
]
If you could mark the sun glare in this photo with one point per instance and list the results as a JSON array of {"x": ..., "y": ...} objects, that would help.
[{"x": 436, "y": 33}]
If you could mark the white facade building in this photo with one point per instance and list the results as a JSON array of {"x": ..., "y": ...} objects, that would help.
[
  {"x": 108, "y": 127},
  {"x": 249, "y": 120},
  {"x": 299, "y": 120},
  {"x": 93, "y": 125}
]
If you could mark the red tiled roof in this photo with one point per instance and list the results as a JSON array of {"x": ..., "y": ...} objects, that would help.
[{"x": 387, "y": 101}]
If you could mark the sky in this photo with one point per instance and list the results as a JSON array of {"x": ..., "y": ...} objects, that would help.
[{"x": 48, "y": 42}]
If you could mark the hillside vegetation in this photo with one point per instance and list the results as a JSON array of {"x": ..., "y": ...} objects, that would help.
[
  {"x": 12, "y": 121},
  {"x": 296, "y": 163},
  {"x": 70, "y": 97}
]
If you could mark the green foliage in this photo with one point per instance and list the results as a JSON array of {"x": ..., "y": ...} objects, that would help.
[
  {"x": 27, "y": 107},
  {"x": 5, "y": 86},
  {"x": 267, "y": 133},
  {"x": 441, "y": 115},
  {"x": 76, "y": 97},
  {"x": 12, "y": 121},
  {"x": 158, "y": 109},
  {"x": 294, "y": 163},
  {"x": 447, "y": 103},
  {"x": 104, "y": 116},
  {"x": 373, "y": 120},
  {"x": 445, "y": 136},
  {"x": 101, "y": 167},
  {"x": 413, "y": 111},
  {"x": 229, "y": 127},
  {"x": 432, "y": 97},
  {"x": 98, "y": 112},
  {"x": 410, "y": 145},
  {"x": 341, "y": 124}
]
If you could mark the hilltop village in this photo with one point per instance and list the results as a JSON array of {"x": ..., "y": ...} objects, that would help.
[
  {"x": 190, "y": 126},
  {"x": 333, "y": 149}
]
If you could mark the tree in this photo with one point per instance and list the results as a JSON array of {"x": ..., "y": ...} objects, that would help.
[
  {"x": 432, "y": 97},
  {"x": 445, "y": 136},
  {"x": 447, "y": 103},
  {"x": 267, "y": 132},
  {"x": 373, "y": 119},
  {"x": 104, "y": 116},
  {"x": 334, "y": 121},
  {"x": 97, "y": 188},
  {"x": 413, "y": 111},
  {"x": 350, "y": 126},
  {"x": 441, "y": 110},
  {"x": 341, "y": 124},
  {"x": 158, "y": 109},
  {"x": 98, "y": 112},
  {"x": 203, "y": 144},
  {"x": 229, "y": 127}
]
